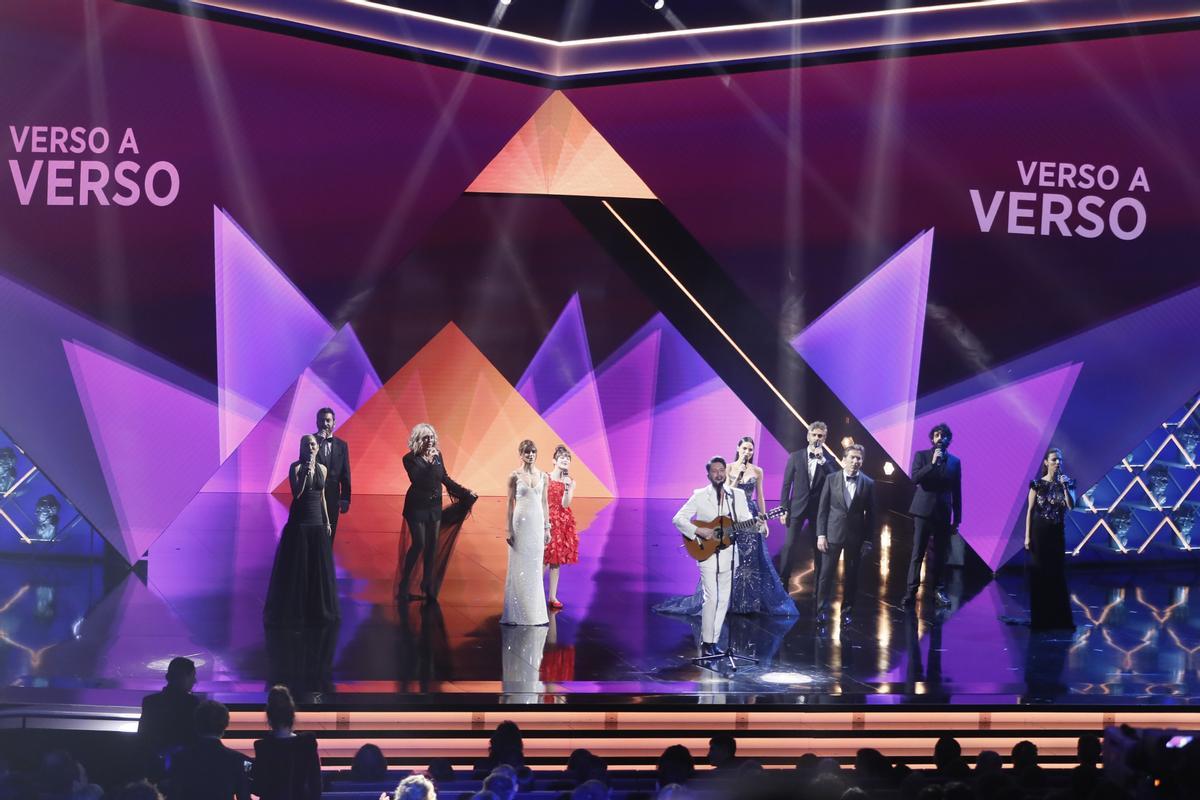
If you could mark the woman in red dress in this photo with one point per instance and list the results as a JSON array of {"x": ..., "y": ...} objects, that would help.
[{"x": 564, "y": 540}]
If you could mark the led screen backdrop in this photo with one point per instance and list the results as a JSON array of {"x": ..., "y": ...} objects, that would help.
[{"x": 209, "y": 231}]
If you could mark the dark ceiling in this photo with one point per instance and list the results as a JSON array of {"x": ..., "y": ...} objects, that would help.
[{"x": 564, "y": 20}]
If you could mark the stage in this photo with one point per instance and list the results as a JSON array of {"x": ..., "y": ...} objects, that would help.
[{"x": 73, "y": 633}]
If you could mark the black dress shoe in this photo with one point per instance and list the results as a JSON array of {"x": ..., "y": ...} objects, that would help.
[
  {"x": 709, "y": 650},
  {"x": 941, "y": 599}
]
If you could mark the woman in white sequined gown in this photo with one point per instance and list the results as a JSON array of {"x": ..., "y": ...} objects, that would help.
[{"x": 528, "y": 535}]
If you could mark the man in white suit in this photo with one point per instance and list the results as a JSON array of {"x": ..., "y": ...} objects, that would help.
[{"x": 716, "y": 572}]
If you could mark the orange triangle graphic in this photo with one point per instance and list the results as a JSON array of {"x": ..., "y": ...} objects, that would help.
[
  {"x": 559, "y": 152},
  {"x": 479, "y": 416}
]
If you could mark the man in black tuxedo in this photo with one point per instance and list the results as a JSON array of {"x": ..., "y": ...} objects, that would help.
[
  {"x": 334, "y": 453},
  {"x": 206, "y": 769},
  {"x": 846, "y": 523},
  {"x": 803, "y": 479},
  {"x": 937, "y": 511}
]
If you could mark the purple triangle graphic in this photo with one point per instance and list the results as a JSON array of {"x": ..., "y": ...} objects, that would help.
[
  {"x": 1001, "y": 436},
  {"x": 260, "y": 463},
  {"x": 344, "y": 367},
  {"x": 42, "y": 409},
  {"x": 157, "y": 443},
  {"x": 867, "y": 346},
  {"x": 625, "y": 384},
  {"x": 267, "y": 331},
  {"x": 659, "y": 397},
  {"x": 559, "y": 384}
]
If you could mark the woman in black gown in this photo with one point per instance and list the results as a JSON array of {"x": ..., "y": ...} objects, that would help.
[
  {"x": 423, "y": 514},
  {"x": 1051, "y": 496},
  {"x": 303, "y": 587}
]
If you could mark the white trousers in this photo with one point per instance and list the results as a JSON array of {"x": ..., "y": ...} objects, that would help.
[{"x": 716, "y": 578}]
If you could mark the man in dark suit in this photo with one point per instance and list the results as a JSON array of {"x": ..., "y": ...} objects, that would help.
[
  {"x": 803, "y": 479},
  {"x": 206, "y": 769},
  {"x": 168, "y": 717},
  {"x": 846, "y": 523},
  {"x": 334, "y": 453},
  {"x": 937, "y": 512}
]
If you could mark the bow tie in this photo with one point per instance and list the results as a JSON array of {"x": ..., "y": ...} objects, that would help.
[{"x": 815, "y": 456}]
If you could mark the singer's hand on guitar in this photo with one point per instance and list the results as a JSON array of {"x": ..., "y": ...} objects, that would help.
[{"x": 703, "y": 533}]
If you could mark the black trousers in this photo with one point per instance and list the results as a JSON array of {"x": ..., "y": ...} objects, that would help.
[
  {"x": 932, "y": 534},
  {"x": 424, "y": 534},
  {"x": 829, "y": 561},
  {"x": 801, "y": 536}
]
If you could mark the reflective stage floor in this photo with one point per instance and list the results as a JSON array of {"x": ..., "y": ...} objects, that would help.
[{"x": 70, "y": 632}]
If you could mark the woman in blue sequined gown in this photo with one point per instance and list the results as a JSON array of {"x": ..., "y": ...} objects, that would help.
[{"x": 757, "y": 588}]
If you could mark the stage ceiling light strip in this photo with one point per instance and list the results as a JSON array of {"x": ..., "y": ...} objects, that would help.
[
  {"x": 692, "y": 298},
  {"x": 684, "y": 32},
  {"x": 692, "y": 47}
]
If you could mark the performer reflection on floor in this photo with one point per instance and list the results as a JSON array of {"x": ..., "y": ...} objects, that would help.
[
  {"x": 432, "y": 537},
  {"x": 303, "y": 586}
]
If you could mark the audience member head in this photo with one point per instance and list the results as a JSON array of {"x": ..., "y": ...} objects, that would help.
[
  {"x": 855, "y": 793},
  {"x": 506, "y": 746},
  {"x": 912, "y": 785},
  {"x": 502, "y": 783},
  {"x": 281, "y": 709},
  {"x": 806, "y": 765},
  {"x": 869, "y": 764},
  {"x": 1088, "y": 750},
  {"x": 1024, "y": 755},
  {"x": 181, "y": 673},
  {"x": 722, "y": 750},
  {"x": 749, "y": 768},
  {"x": 212, "y": 718},
  {"x": 946, "y": 753},
  {"x": 957, "y": 790},
  {"x": 828, "y": 766},
  {"x": 675, "y": 765},
  {"x": 369, "y": 764},
  {"x": 579, "y": 764},
  {"x": 988, "y": 762},
  {"x": 440, "y": 769},
  {"x": 590, "y": 790},
  {"x": 826, "y": 786},
  {"x": 142, "y": 790},
  {"x": 415, "y": 787},
  {"x": 525, "y": 780},
  {"x": 58, "y": 773},
  {"x": 673, "y": 791}
]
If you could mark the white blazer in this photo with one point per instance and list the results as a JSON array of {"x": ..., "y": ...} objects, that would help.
[{"x": 703, "y": 505}]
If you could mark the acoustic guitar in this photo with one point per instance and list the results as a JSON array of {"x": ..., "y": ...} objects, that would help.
[{"x": 723, "y": 528}]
